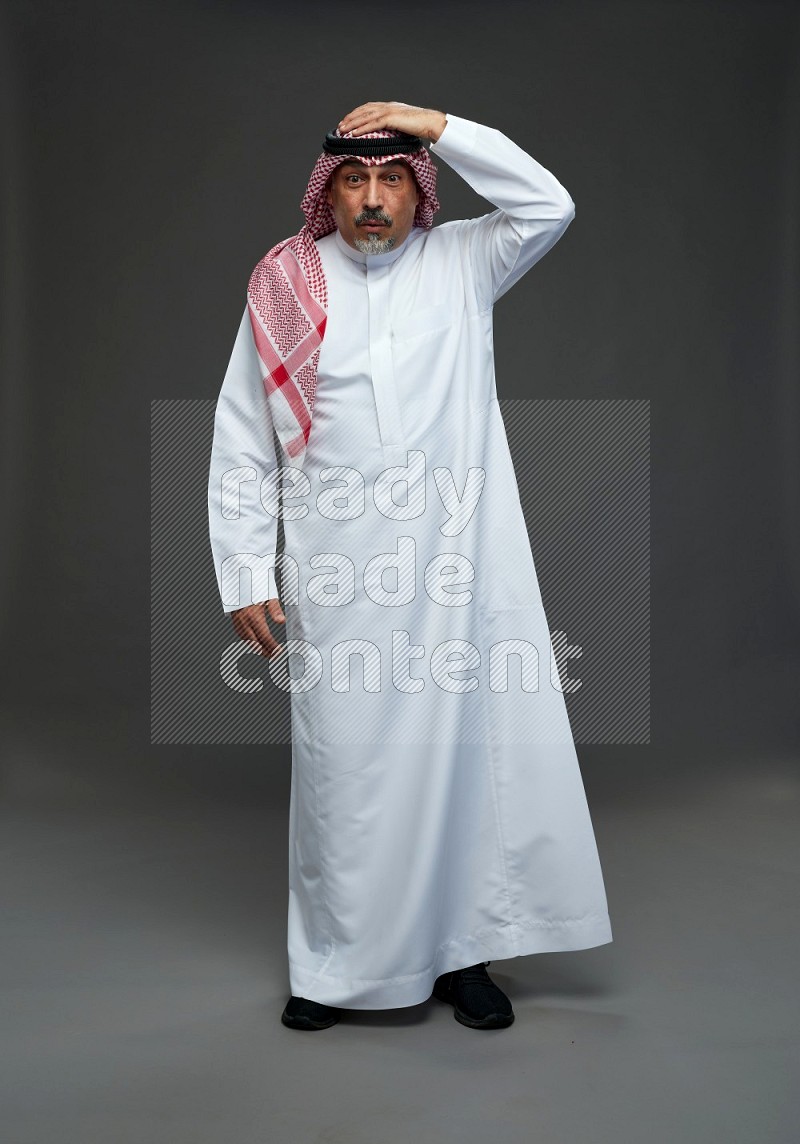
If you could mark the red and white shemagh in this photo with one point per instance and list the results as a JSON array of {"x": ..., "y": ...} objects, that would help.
[{"x": 287, "y": 295}]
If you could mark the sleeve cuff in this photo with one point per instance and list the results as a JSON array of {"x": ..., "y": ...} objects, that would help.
[
  {"x": 241, "y": 592},
  {"x": 457, "y": 138}
]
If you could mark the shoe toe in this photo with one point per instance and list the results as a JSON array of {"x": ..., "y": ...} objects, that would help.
[
  {"x": 493, "y": 1020},
  {"x": 302, "y": 1013},
  {"x": 477, "y": 1002}
]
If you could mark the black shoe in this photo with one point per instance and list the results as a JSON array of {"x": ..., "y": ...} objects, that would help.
[
  {"x": 300, "y": 1013},
  {"x": 476, "y": 1000}
]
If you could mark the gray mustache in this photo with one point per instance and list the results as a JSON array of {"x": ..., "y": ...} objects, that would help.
[{"x": 373, "y": 214}]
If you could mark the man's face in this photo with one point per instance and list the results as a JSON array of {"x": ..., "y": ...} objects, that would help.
[{"x": 373, "y": 206}]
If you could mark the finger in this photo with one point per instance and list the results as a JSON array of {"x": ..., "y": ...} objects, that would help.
[
  {"x": 261, "y": 633},
  {"x": 376, "y": 123},
  {"x": 382, "y": 110},
  {"x": 399, "y": 118},
  {"x": 242, "y": 616},
  {"x": 266, "y": 643},
  {"x": 358, "y": 126},
  {"x": 347, "y": 121},
  {"x": 251, "y": 627},
  {"x": 275, "y": 611},
  {"x": 369, "y": 113},
  {"x": 362, "y": 109},
  {"x": 239, "y": 625}
]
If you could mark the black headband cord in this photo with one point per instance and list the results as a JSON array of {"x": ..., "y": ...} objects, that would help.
[{"x": 400, "y": 144}]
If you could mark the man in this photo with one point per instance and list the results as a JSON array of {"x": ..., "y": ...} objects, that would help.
[{"x": 437, "y": 818}]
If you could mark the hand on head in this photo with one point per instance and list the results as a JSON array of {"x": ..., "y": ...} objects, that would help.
[{"x": 421, "y": 121}]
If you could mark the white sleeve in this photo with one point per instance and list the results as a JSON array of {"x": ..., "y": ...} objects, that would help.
[
  {"x": 533, "y": 211},
  {"x": 243, "y": 534}
]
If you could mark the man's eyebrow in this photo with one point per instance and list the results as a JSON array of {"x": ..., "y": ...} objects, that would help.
[{"x": 360, "y": 166}]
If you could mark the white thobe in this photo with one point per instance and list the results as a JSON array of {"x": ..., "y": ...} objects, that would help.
[{"x": 438, "y": 816}]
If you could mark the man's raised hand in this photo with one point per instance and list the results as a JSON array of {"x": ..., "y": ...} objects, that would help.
[
  {"x": 422, "y": 121},
  {"x": 250, "y": 624}
]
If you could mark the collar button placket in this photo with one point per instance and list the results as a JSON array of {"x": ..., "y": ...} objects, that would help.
[{"x": 382, "y": 365}]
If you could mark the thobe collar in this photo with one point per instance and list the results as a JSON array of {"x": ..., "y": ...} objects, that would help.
[{"x": 376, "y": 259}]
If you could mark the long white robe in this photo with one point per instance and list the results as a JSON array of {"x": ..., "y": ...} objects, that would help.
[{"x": 438, "y": 816}]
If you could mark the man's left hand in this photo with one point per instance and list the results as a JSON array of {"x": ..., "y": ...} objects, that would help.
[{"x": 422, "y": 121}]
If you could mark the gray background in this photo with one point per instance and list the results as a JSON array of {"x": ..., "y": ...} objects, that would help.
[{"x": 151, "y": 154}]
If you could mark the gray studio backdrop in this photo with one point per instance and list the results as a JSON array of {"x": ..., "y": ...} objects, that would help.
[
  {"x": 150, "y": 154},
  {"x": 153, "y": 154}
]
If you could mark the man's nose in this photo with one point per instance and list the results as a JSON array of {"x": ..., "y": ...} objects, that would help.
[{"x": 372, "y": 195}]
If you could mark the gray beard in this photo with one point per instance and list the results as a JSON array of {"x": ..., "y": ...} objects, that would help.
[{"x": 375, "y": 244}]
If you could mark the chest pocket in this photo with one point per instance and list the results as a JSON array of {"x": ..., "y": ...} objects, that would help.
[{"x": 426, "y": 321}]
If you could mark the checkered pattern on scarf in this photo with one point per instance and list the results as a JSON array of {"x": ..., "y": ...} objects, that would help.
[{"x": 287, "y": 295}]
